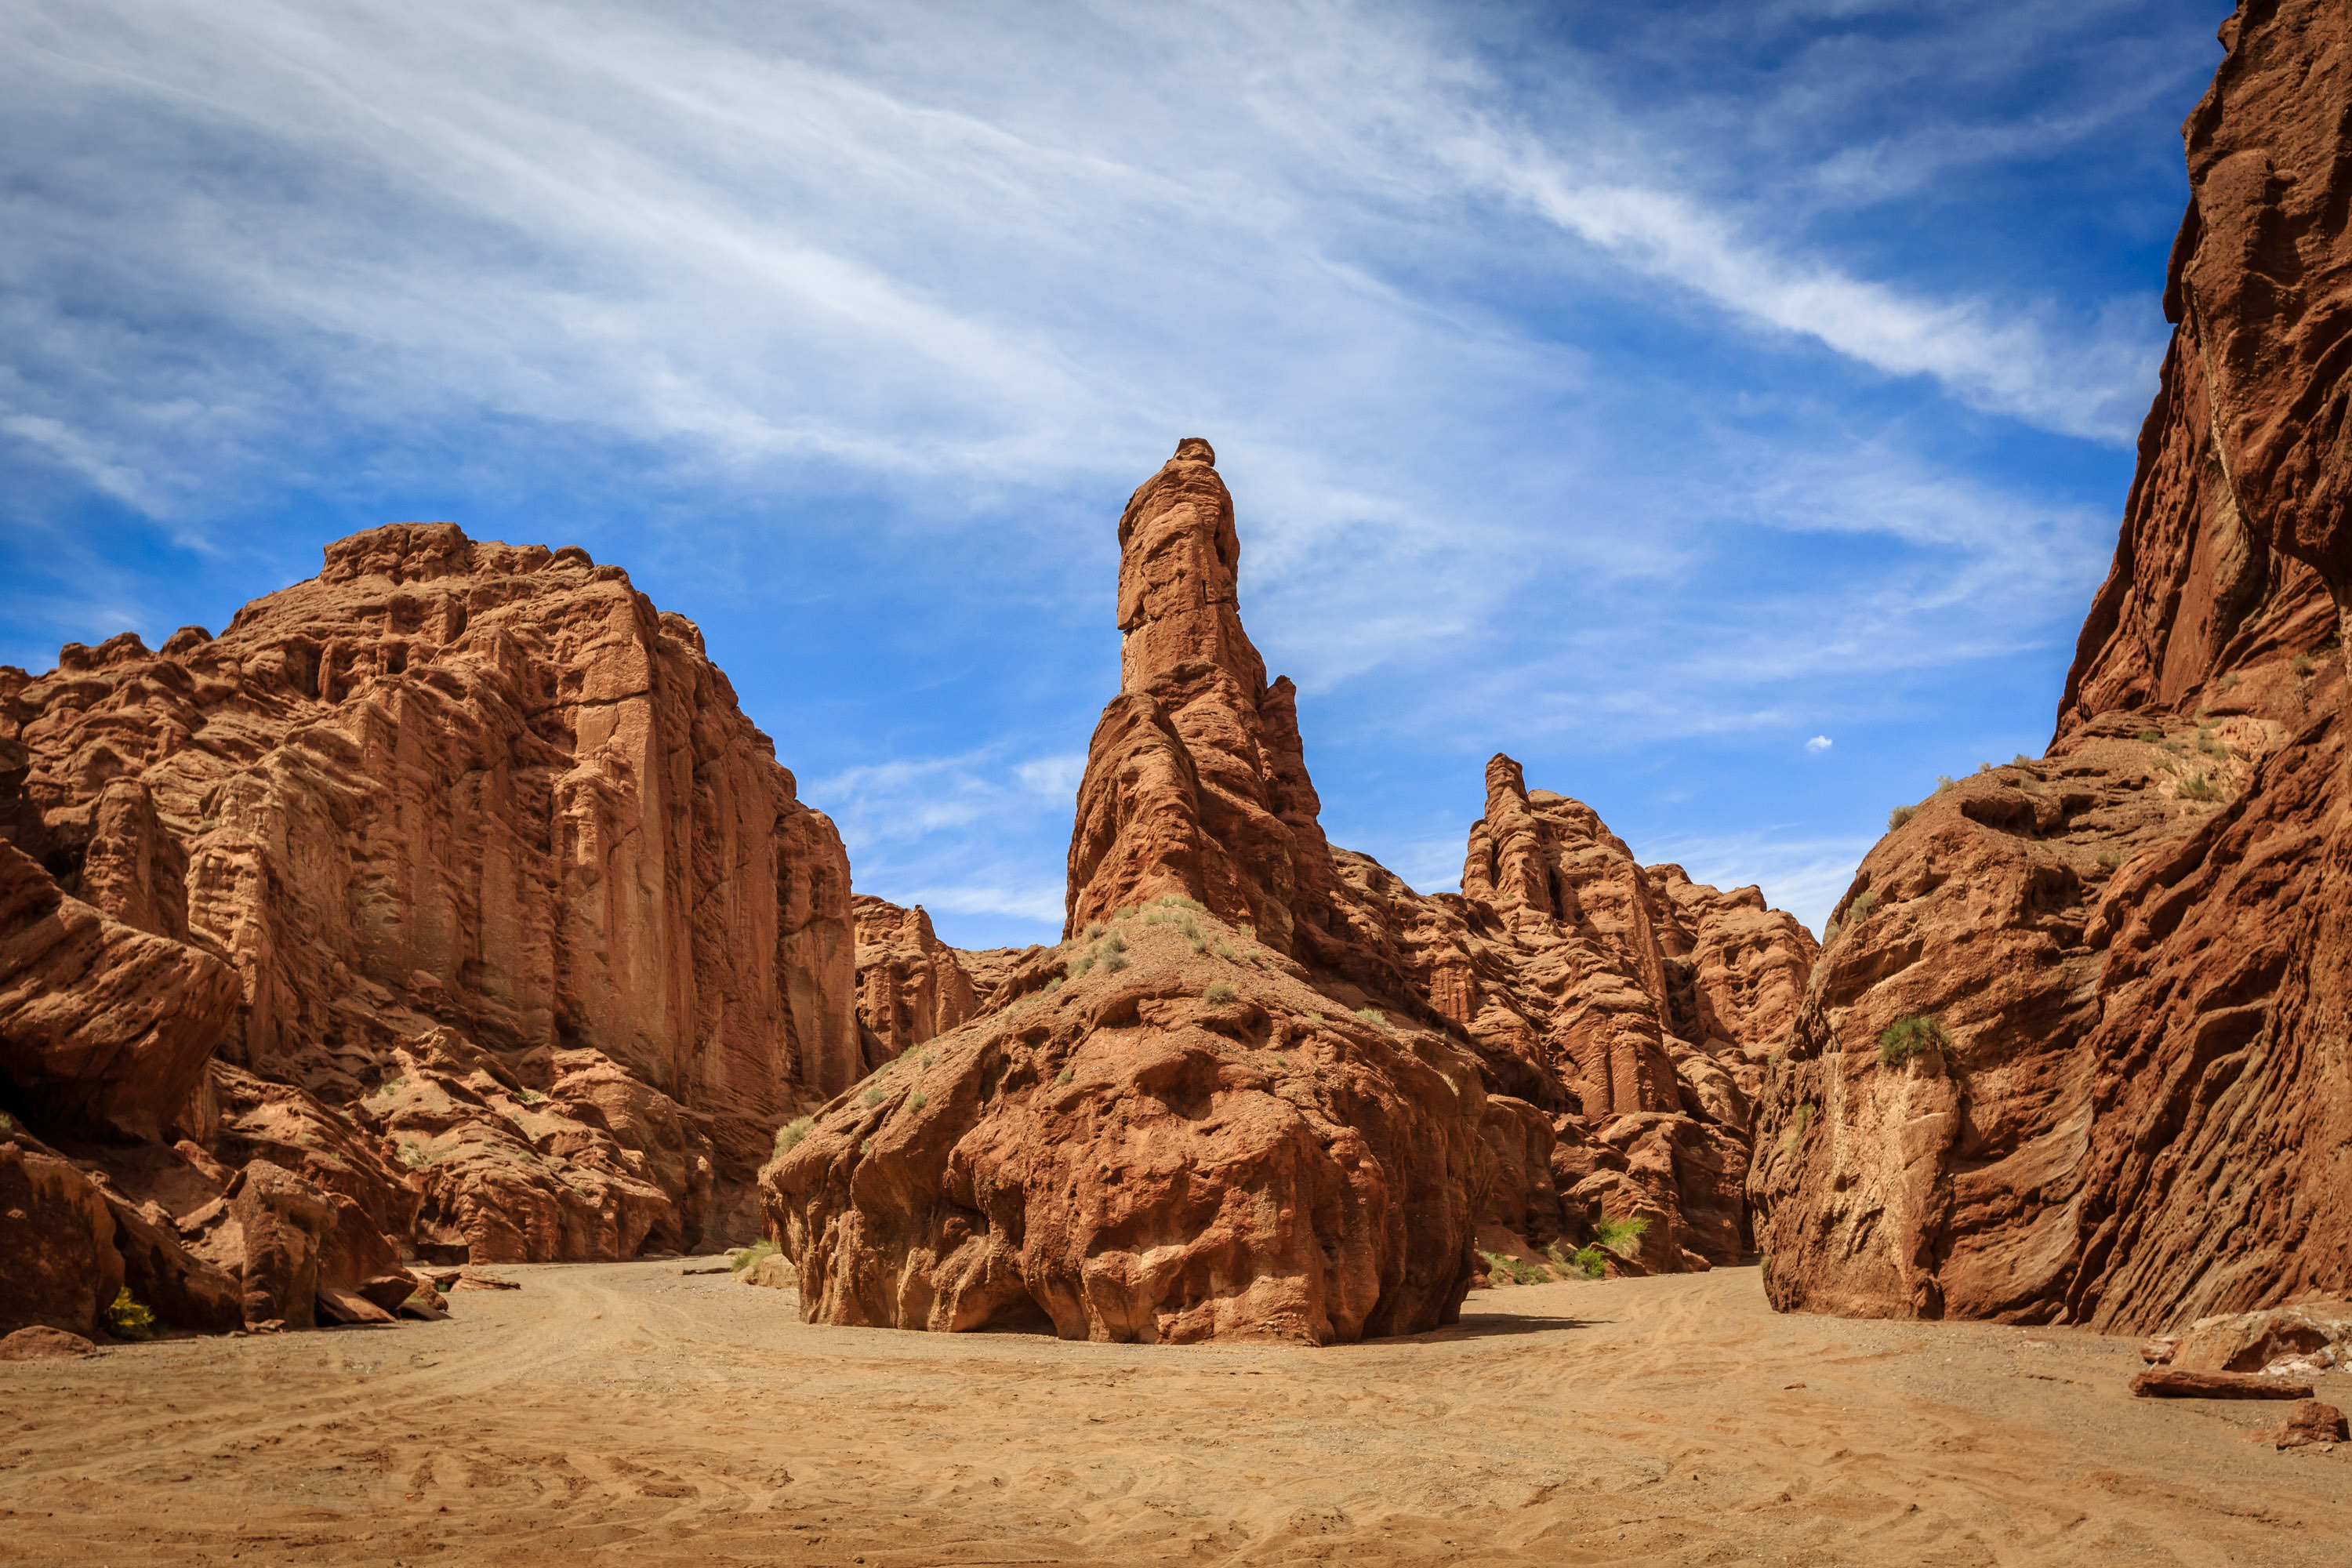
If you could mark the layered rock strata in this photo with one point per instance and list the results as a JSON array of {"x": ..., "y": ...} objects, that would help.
[
  {"x": 1251, "y": 1093},
  {"x": 2129, "y": 1096},
  {"x": 452, "y": 883}
]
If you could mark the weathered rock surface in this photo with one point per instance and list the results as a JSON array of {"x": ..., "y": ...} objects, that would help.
[
  {"x": 911, "y": 986},
  {"x": 2135, "y": 946},
  {"x": 57, "y": 1237},
  {"x": 2306, "y": 1338},
  {"x": 452, "y": 884},
  {"x": 43, "y": 1343},
  {"x": 1247, "y": 1095},
  {"x": 2308, "y": 1423},
  {"x": 2170, "y": 1383}
]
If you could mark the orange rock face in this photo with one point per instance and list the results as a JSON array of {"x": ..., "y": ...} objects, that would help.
[
  {"x": 492, "y": 912},
  {"x": 2129, "y": 1106},
  {"x": 1248, "y": 1094},
  {"x": 911, "y": 986}
]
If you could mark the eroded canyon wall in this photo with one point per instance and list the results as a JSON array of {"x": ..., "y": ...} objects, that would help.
[
  {"x": 527, "y": 944},
  {"x": 2131, "y": 1103}
]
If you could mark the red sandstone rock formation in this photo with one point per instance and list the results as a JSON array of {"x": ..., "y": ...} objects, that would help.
[
  {"x": 2131, "y": 1108},
  {"x": 496, "y": 920},
  {"x": 1247, "y": 1094},
  {"x": 911, "y": 986}
]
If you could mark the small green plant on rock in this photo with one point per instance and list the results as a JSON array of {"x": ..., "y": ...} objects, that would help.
[
  {"x": 2109, "y": 859},
  {"x": 789, "y": 1136},
  {"x": 2152, "y": 736},
  {"x": 759, "y": 1250},
  {"x": 1909, "y": 1038},
  {"x": 1622, "y": 1237},
  {"x": 1082, "y": 965},
  {"x": 1095, "y": 929},
  {"x": 2302, "y": 664},
  {"x": 392, "y": 1086},
  {"x": 1944, "y": 782},
  {"x": 917, "y": 1102},
  {"x": 1374, "y": 1016},
  {"x": 127, "y": 1318},
  {"x": 1899, "y": 815},
  {"x": 871, "y": 1098},
  {"x": 1798, "y": 1123},
  {"x": 1219, "y": 991},
  {"x": 7, "y": 1123},
  {"x": 1065, "y": 1074},
  {"x": 1503, "y": 1266},
  {"x": 1859, "y": 911},
  {"x": 1114, "y": 963},
  {"x": 2196, "y": 786}
]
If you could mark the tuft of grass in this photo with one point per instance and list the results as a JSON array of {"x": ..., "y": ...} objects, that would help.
[
  {"x": 413, "y": 1156},
  {"x": 8, "y": 1122},
  {"x": 1374, "y": 1016},
  {"x": 1095, "y": 928},
  {"x": 1065, "y": 1074},
  {"x": 2152, "y": 736},
  {"x": 1052, "y": 985},
  {"x": 866, "y": 1147},
  {"x": 2230, "y": 681},
  {"x": 392, "y": 1086},
  {"x": 2196, "y": 786},
  {"x": 1622, "y": 1237},
  {"x": 925, "y": 1058},
  {"x": 1114, "y": 963},
  {"x": 1915, "y": 1037},
  {"x": 127, "y": 1318},
  {"x": 917, "y": 1102},
  {"x": 2021, "y": 761},
  {"x": 1502, "y": 1266},
  {"x": 1984, "y": 767},
  {"x": 1860, "y": 909},
  {"x": 871, "y": 1098},
  {"x": 1944, "y": 782},
  {"x": 2209, "y": 745},
  {"x": 1196, "y": 941},
  {"x": 1830, "y": 934},
  {"x": 1314, "y": 1018},
  {"x": 2109, "y": 858},
  {"x": 1227, "y": 954},
  {"x": 1282, "y": 1058},
  {"x": 2302, "y": 664},
  {"x": 760, "y": 1249},
  {"x": 1798, "y": 1123},
  {"x": 1123, "y": 914},
  {"x": 1116, "y": 942},
  {"x": 789, "y": 1136},
  {"x": 1082, "y": 965},
  {"x": 1219, "y": 991},
  {"x": 1179, "y": 902}
]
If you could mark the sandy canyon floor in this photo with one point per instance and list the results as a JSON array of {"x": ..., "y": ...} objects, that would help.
[{"x": 633, "y": 1411}]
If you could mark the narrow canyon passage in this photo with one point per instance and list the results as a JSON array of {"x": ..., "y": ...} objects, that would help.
[{"x": 676, "y": 1418}]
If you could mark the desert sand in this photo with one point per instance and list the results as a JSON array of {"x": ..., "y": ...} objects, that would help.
[{"x": 635, "y": 1411}]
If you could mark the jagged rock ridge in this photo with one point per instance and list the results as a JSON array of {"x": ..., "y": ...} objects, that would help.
[
  {"x": 1251, "y": 1094},
  {"x": 451, "y": 882}
]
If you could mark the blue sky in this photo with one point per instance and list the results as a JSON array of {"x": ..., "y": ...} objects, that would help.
[{"x": 1655, "y": 392}]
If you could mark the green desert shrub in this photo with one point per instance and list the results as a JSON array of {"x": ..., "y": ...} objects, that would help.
[
  {"x": 1114, "y": 963},
  {"x": 392, "y": 1086},
  {"x": 2151, "y": 736},
  {"x": 760, "y": 1249},
  {"x": 917, "y": 1102},
  {"x": 1860, "y": 909},
  {"x": 127, "y": 1318},
  {"x": 1944, "y": 782},
  {"x": 2021, "y": 761},
  {"x": 1915, "y": 1037},
  {"x": 8, "y": 1122},
  {"x": 866, "y": 1147},
  {"x": 1374, "y": 1016},
  {"x": 1219, "y": 991},
  {"x": 1622, "y": 1237},
  {"x": 1065, "y": 1074},
  {"x": 1226, "y": 953},
  {"x": 1082, "y": 965},
  {"x": 2196, "y": 786},
  {"x": 871, "y": 1098},
  {"x": 789, "y": 1136},
  {"x": 1179, "y": 902},
  {"x": 1899, "y": 815},
  {"x": 1095, "y": 928},
  {"x": 1116, "y": 943},
  {"x": 2302, "y": 664}
]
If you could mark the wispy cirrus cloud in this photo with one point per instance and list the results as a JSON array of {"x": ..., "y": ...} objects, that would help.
[{"x": 1626, "y": 382}]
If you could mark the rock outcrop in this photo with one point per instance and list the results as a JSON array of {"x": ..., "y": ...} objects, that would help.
[
  {"x": 2076, "y": 1052},
  {"x": 452, "y": 886},
  {"x": 1249, "y": 1094},
  {"x": 911, "y": 986}
]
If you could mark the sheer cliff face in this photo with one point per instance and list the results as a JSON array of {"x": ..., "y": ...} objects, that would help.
[
  {"x": 2135, "y": 946},
  {"x": 456, "y": 812}
]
